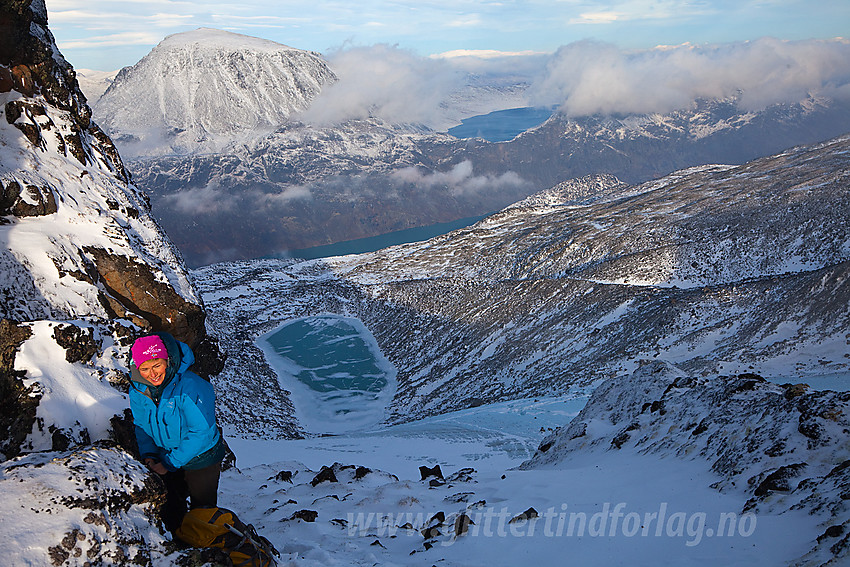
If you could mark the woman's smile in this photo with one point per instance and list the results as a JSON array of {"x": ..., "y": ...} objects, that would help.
[{"x": 154, "y": 370}]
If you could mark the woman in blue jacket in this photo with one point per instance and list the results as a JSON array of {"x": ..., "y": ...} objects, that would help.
[{"x": 174, "y": 414}]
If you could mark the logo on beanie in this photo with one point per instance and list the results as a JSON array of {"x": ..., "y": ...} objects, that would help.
[
  {"x": 148, "y": 348},
  {"x": 151, "y": 352}
]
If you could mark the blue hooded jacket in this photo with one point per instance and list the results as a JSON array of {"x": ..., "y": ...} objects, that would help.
[{"x": 175, "y": 422}]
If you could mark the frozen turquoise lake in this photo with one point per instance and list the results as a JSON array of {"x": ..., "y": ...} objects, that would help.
[
  {"x": 341, "y": 383},
  {"x": 339, "y": 379}
]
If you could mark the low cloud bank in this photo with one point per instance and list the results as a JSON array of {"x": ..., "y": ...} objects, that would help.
[
  {"x": 460, "y": 179},
  {"x": 589, "y": 77},
  {"x": 384, "y": 82},
  {"x": 586, "y": 77},
  {"x": 215, "y": 198}
]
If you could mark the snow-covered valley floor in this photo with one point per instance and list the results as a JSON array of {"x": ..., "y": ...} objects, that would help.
[{"x": 602, "y": 508}]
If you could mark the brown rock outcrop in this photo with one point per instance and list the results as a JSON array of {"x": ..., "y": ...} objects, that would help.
[{"x": 134, "y": 293}]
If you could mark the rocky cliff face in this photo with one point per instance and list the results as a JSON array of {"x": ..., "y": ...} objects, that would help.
[
  {"x": 83, "y": 269},
  {"x": 79, "y": 238}
]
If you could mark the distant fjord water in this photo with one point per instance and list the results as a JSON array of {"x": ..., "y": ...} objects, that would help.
[
  {"x": 501, "y": 125},
  {"x": 497, "y": 126},
  {"x": 373, "y": 243}
]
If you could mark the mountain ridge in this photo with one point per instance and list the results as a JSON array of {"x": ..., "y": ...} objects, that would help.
[
  {"x": 373, "y": 178},
  {"x": 549, "y": 295},
  {"x": 265, "y": 184}
]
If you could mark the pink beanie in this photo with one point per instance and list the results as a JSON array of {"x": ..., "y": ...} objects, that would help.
[{"x": 148, "y": 348}]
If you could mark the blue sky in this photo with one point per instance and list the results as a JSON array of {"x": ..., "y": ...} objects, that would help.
[{"x": 94, "y": 34}]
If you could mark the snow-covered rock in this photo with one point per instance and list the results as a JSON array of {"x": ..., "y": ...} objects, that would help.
[
  {"x": 779, "y": 447},
  {"x": 85, "y": 506},
  {"x": 83, "y": 269}
]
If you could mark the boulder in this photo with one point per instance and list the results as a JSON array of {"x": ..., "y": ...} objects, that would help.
[{"x": 434, "y": 471}]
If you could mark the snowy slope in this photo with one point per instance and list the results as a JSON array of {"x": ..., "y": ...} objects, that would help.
[
  {"x": 201, "y": 90},
  {"x": 360, "y": 499},
  {"x": 94, "y": 83},
  {"x": 783, "y": 448},
  {"x": 659, "y": 467}
]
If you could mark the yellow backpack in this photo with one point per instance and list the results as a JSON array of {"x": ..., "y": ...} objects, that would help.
[{"x": 219, "y": 527}]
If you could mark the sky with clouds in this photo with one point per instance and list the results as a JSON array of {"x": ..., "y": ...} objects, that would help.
[{"x": 101, "y": 35}]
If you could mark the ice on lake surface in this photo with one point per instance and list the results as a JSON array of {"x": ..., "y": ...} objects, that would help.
[
  {"x": 339, "y": 379},
  {"x": 341, "y": 384}
]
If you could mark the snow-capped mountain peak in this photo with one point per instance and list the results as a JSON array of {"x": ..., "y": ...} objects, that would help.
[
  {"x": 213, "y": 40},
  {"x": 201, "y": 90}
]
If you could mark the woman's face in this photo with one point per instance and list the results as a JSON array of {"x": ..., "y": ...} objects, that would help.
[{"x": 154, "y": 370}]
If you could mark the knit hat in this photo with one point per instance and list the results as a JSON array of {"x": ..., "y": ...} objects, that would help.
[{"x": 148, "y": 348}]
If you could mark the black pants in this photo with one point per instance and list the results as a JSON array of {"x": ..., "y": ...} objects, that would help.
[{"x": 200, "y": 486}]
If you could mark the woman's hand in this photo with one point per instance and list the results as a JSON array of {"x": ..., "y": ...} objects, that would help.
[{"x": 156, "y": 466}]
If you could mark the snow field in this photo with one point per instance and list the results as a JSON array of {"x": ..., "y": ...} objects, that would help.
[{"x": 600, "y": 508}]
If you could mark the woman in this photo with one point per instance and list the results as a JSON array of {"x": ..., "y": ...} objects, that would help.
[{"x": 174, "y": 413}]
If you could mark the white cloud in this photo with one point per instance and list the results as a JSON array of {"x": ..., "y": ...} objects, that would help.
[
  {"x": 384, "y": 82},
  {"x": 89, "y": 19},
  {"x": 214, "y": 199},
  {"x": 459, "y": 179},
  {"x": 585, "y": 77},
  {"x": 644, "y": 10},
  {"x": 597, "y": 18},
  {"x": 111, "y": 40},
  {"x": 261, "y": 20},
  {"x": 202, "y": 200},
  {"x": 165, "y": 20},
  {"x": 483, "y": 54},
  {"x": 466, "y": 21},
  {"x": 590, "y": 77}
]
